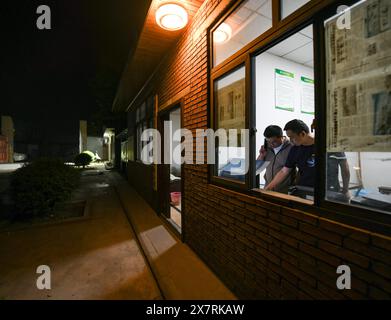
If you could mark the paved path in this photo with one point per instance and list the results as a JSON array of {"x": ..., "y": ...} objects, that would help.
[
  {"x": 181, "y": 274},
  {"x": 93, "y": 258}
]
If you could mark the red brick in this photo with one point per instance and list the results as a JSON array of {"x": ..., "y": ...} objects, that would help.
[
  {"x": 376, "y": 293},
  {"x": 300, "y": 215},
  {"x": 319, "y": 254},
  {"x": 320, "y": 233},
  {"x": 257, "y": 210},
  {"x": 331, "y": 292},
  {"x": 382, "y": 242},
  {"x": 299, "y": 273},
  {"x": 345, "y": 255},
  {"x": 371, "y": 278},
  {"x": 367, "y": 250},
  {"x": 382, "y": 269}
]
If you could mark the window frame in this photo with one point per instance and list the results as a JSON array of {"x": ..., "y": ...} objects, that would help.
[
  {"x": 145, "y": 122},
  {"x": 314, "y": 12},
  {"x": 230, "y": 68},
  {"x": 378, "y": 220}
]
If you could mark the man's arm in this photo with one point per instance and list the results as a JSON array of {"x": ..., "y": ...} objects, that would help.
[{"x": 280, "y": 177}]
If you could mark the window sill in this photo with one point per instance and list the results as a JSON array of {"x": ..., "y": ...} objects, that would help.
[{"x": 281, "y": 197}]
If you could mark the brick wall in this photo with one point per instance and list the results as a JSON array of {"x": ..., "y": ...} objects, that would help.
[{"x": 260, "y": 249}]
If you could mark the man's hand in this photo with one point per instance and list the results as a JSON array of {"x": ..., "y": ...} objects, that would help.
[
  {"x": 280, "y": 176},
  {"x": 347, "y": 195},
  {"x": 267, "y": 188},
  {"x": 262, "y": 153}
]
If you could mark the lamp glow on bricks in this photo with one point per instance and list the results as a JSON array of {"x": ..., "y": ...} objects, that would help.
[{"x": 171, "y": 17}]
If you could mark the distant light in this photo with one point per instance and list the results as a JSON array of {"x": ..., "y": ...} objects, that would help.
[
  {"x": 223, "y": 33},
  {"x": 171, "y": 17}
]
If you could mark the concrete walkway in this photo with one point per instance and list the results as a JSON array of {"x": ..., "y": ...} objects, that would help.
[
  {"x": 99, "y": 257},
  {"x": 179, "y": 271},
  {"x": 94, "y": 258}
]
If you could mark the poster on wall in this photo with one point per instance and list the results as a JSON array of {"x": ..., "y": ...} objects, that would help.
[
  {"x": 307, "y": 95},
  {"x": 231, "y": 100},
  {"x": 359, "y": 80},
  {"x": 284, "y": 88}
]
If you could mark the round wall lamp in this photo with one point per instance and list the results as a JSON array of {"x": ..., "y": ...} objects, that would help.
[
  {"x": 223, "y": 33},
  {"x": 171, "y": 16}
]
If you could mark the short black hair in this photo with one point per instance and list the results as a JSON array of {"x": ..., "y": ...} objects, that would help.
[
  {"x": 297, "y": 126},
  {"x": 272, "y": 131}
]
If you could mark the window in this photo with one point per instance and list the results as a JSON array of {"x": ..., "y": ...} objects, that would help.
[
  {"x": 230, "y": 102},
  {"x": 284, "y": 91},
  {"x": 144, "y": 120},
  {"x": 247, "y": 22},
  {"x": 141, "y": 125},
  {"x": 358, "y": 83},
  {"x": 124, "y": 151},
  {"x": 273, "y": 84},
  {"x": 290, "y": 6}
]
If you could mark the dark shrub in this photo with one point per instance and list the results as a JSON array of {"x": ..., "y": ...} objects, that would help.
[
  {"x": 83, "y": 159},
  {"x": 38, "y": 186}
]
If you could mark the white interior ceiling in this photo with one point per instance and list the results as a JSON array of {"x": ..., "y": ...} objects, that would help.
[
  {"x": 290, "y": 6},
  {"x": 255, "y": 17},
  {"x": 297, "y": 48},
  {"x": 250, "y": 20}
]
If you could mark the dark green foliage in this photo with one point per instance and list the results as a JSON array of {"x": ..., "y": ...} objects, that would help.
[
  {"x": 38, "y": 186},
  {"x": 83, "y": 159}
]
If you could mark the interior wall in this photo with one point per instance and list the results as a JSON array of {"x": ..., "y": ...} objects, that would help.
[
  {"x": 375, "y": 169},
  {"x": 266, "y": 113}
]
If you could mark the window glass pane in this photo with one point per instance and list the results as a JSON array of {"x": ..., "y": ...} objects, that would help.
[
  {"x": 230, "y": 119},
  {"x": 124, "y": 151},
  {"x": 284, "y": 91},
  {"x": 290, "y": 6},
  {"x": 358, "y": 62},
  {"x": 175, "y": 120},
  {"x": 139, "y": 148},
  {"x": 247, "y": 22}
]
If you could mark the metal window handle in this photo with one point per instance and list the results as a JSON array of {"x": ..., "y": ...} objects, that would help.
[{"x": 253, "y": 131}]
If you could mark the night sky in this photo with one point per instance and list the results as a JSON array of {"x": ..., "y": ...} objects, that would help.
[{"x": 46, "y": 74}]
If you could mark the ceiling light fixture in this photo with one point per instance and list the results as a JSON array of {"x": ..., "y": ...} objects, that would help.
[
  {"x": 171, "y": 16},
  {"x": 223, "y": 33}
]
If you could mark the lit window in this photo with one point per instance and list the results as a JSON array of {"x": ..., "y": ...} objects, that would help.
[
  {"x": 290, "y": 6},
  {"x": 247, "y": 22},
  {"x": 144, "y": 120},
  {"x": 230, "y": 120},
  {"x": 284, "y": 91},
  {"x": 359, "y": 107}
]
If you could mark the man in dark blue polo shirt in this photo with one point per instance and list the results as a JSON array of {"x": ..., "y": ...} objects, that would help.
[{"x": 301, "y": 156}]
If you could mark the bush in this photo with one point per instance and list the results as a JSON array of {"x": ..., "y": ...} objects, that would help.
[
  {"x": 91, "y": 154},
  {"x": 38, "y": 186},
  {"x": 83, "y": 159}
]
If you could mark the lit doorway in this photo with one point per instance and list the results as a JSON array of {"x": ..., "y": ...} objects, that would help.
[{"x": 171, "y": 173}]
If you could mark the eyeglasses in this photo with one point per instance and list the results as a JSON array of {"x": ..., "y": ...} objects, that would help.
[{"x": 272, "y": 139}]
